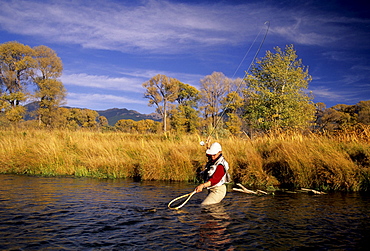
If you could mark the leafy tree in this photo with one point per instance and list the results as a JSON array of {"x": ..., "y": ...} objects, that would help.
[
  {"x": 142, "y": 126},
  {"x": 16, "y": 62},
  {"x": 147, "y": 126},
  {"x": 275, "y": 96},
  {"x": 342, "y": 116},
  {"x": 320, "y": 110},
  {"x": 103, "y": 121},
  {"x": 14, "y": 113},
  {"x": 61, "y": 120},
  {"x": 126, "y": 125},
  {"x": 214, "y": 87},
  {"x": 349, "y": 114},
  {"x": 332, "y": 119},
  {"x": 161, "y": 92},
  {"x": 233, "y": 104},
  {"x": 22, "y": 66},
  {"x": 364, "y": 112},
  {"x": 49, "y": 65},
  {"x": 82, "y": 118},
  {"x": 51, "y": 93},
  {"x": 184, "y": 118}
]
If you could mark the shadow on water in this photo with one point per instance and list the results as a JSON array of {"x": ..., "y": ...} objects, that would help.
[{"x": 39, "y": 213}]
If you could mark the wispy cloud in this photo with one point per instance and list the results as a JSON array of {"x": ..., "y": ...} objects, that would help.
[
  {"x": 146, "y": 74},
  {"x": 151, "y": 25},
  {"x": 100, "y": 101},
  {"x": 153, "y": 34},
  {"x": 127, "y": 90},
  {"x": 104, "y": 82},
  {"x": 334, "y": 95},
  {"x": 164, "y": 26},
  {"x": 326, "y": 93},
  {"x": 131, "y": 83}
]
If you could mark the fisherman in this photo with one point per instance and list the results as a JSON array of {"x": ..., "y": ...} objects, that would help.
[{"x": 215, "y": 176}]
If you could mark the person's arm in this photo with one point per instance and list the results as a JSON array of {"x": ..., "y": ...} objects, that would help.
[{"x": 216, "y": 177}]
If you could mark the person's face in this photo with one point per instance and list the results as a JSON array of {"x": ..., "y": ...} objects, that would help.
[{"x": 213, "y": 157}]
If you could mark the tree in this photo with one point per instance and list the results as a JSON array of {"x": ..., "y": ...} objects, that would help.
[
  {"x": 22, "y": 66},
  {"x": 82, "y": 118},
  {"x": 146, "y": 126},
  {"x": 49, "y": 65},
  {"x": 275, "y": 95},
  {"x": 184, "y": 118},
  {"x": 320, "y": 110},
  {"x": 364, "y": 112},
  {"x": 16, "y": 62},
  {"x": 213, "y": 88},
  {"x": 233, "y": 103},
  {"x": 161, "y": 92},
  {"x": 61, "y": 120},
  {"x": 103, "y": 121},
  {"x": 50, "y": 91},
  {"x": 332, "y": 119},
  {"x": 342, "y": 116},
  {"x": 126, "y": 125}
]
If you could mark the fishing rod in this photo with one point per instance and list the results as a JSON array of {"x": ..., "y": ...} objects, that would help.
[{"x": 202, "y": 143}]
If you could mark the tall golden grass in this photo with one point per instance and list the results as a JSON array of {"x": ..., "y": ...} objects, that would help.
[{"x": 292, "y": 160}]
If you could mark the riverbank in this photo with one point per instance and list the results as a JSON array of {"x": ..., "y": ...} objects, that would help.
[{"x": 283, "y": 160}]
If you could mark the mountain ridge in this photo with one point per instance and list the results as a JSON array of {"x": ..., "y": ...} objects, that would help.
[{"x": 113, "y": 114}]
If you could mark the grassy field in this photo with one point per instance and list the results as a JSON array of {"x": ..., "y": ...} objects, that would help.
[{"x": 271, "y": 161}]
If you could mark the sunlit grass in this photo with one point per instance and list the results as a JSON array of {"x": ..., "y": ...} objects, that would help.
[{"x": 292, "y": 160}]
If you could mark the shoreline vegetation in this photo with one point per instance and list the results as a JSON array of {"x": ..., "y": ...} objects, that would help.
[{"x": 273, "y": 161}]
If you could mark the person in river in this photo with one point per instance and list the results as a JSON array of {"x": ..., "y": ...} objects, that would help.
[{"x": 215, "y": 176}]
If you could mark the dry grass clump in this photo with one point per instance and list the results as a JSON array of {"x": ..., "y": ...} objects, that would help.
[
  {"x": 246, "y": 163},
  {"x": 313, "y": 161},
  {"x": 105, "y": 155},
  {"x": 281, "y": 159}
]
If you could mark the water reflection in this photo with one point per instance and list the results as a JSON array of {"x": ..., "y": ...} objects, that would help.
[{"x": 213, "y": 234}]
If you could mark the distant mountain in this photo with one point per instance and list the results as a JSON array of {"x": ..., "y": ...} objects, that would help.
[
  {"x": 112, "y": 115},
  {"x": 115, "y": 114}
]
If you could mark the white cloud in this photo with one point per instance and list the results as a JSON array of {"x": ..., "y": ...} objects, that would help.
[
  {"x": 145, "y": 74},
  {"x": 131, "y": 83},
  {"x": 104, "y": 82},
  {"x": 165, "y": 26},
  {"x": 335, "y": 95},
  {"x": 326, "y": 93},
  {"x": 100, "y": 101},
  {"x": 153, "y": 25}
]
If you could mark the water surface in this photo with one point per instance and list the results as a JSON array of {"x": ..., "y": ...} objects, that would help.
[{"x": 65, "y": 213}]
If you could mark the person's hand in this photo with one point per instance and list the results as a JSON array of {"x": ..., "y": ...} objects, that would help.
[{"x": 199, "y": 188}]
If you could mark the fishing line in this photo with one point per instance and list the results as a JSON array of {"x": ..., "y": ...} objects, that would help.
[
  {"x": 246, "y": 54},
  {"x": 189, "y": 195},
  {"x": 245, "y": 75}
]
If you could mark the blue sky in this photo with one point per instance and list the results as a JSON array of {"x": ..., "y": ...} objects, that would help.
[{"x": 110, "y": 47}]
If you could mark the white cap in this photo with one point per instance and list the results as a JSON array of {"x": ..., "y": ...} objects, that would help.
[{"x": 214, "y": 149}]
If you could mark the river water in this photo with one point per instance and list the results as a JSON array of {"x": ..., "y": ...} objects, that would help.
[{"x": 65, "y": 213}]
